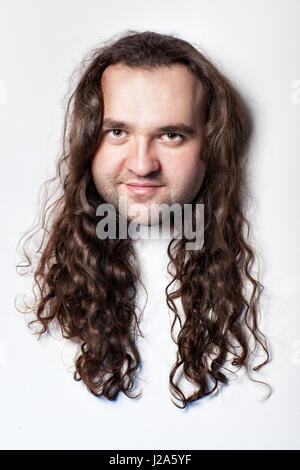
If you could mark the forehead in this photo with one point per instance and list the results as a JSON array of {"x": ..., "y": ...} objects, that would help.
[{"x": 165, "y": 93}]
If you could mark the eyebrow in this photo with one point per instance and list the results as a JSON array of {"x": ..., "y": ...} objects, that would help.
[{"x": 170, "y": 128}]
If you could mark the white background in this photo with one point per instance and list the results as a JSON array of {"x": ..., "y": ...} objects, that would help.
[{"x": 256, "y": 43}]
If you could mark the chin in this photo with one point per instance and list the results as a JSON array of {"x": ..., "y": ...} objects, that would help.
[
  {"x": 144, "y": 220},
  {"x": 148, "y": 215}
]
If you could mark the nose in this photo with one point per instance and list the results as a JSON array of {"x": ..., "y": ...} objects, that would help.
[{"x": 141, "y": 158}]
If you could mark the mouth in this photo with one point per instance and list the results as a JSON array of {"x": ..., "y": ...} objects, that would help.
[{"x": 141, "y": 189}]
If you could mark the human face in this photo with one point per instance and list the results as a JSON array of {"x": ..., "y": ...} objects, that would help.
[{"x": 152, "y": 138}]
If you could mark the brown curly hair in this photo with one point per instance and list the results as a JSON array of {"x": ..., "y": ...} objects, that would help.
[{"x": 87, "y": 286}]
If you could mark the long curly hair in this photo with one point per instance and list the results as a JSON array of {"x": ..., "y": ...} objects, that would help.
[{"x": 87, "y": 287}]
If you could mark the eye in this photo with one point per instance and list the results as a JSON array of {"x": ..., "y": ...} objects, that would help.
[
  {"x": 116, "y": 133},
  {"x": 172, "y": 137}
]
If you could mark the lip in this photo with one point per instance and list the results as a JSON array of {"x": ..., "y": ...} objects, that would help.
[{"x": 142, "y": 188}]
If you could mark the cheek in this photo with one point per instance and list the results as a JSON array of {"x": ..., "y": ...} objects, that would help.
[
  {"x": 186, "y": 177},
  {"x": 184, "y": 170},
  {"x": 104, "y": 164}
]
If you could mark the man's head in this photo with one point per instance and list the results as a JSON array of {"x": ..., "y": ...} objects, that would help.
[
  {"x": 127, "y": 102},
  {"x": 152, "y": 134}
]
